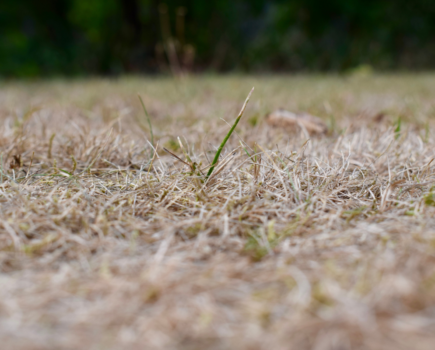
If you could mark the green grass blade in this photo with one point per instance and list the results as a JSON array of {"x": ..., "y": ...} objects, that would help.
[
  {"x": 244, "y": 148},
  {"x": 216, "y": 157},
  {"x": 148, "y": 119},
  {"x": 398, "y": 128},
  {"x": 1, "y": 168}
]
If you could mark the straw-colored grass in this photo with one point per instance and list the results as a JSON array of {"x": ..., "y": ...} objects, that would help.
[{"x": 109, "y": 242}]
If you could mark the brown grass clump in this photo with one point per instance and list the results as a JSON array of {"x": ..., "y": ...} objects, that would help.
[
  {"x": 109, "y": 242},
  {"x": 293, "y": 122}
]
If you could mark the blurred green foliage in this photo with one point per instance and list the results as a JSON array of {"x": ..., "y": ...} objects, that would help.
[{"x": 75, "y": 37}]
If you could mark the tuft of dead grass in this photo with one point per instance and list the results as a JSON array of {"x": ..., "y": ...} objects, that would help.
[{"x": 109, "y": 242}]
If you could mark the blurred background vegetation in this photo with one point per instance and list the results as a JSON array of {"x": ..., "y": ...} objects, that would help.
[{"x": 110, "y": 37}]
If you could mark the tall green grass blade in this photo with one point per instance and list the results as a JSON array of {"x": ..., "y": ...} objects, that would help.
[
  {"x": 222, "y": 145},
  {"x": 148, "y": 119}
]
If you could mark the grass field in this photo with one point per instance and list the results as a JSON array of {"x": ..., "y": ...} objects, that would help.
[{"x": 109, "y": 242}]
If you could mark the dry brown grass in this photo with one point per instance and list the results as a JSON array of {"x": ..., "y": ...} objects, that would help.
[{"x": 325, "y": 244}]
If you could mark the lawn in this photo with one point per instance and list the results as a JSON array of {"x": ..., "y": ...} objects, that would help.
[{"x": 108, "y": 241}]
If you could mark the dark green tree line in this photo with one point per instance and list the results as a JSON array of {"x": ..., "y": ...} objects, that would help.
[{"x": 71, "y": 37}]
